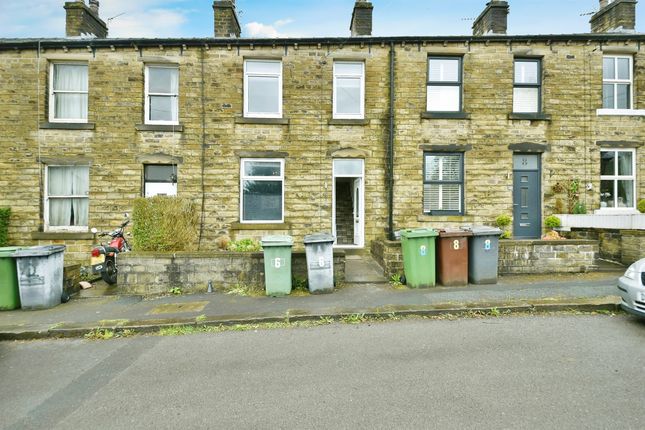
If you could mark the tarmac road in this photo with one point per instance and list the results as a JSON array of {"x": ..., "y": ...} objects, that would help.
[{"x": 548, "y": 371}]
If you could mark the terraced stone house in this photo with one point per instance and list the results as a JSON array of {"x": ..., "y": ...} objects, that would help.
[{"x": 360, "y": 135}]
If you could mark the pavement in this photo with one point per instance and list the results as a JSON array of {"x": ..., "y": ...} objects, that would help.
[{"x": 365, "y": 292}]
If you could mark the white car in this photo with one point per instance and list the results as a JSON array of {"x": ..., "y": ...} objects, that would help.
[{"x": 632, "y": 289}]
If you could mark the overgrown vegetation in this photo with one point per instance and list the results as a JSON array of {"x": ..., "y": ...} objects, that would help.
[
  {"x": 5, "y": 214},
  {"x": 244, "y": 245},
  {"x": 396, "y": 281},
  {"x": 164, "y": 223}
]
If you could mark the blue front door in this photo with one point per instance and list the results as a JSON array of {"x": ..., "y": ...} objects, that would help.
[{"x": 527, "y": 220}]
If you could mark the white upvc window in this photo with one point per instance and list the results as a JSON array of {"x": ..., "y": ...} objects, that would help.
[
  {"x": 617, "y": 82},
  {"x": 262, "y": 190},
  {"x": 66, "y": 198},
  {"x": 68, "y": 92},
  {"x": 444, "y": 84},
  {"x": 162, "y": 95},
  {"x": 263, "y": 88},
  {"x": 349, "y": 90},
  {"x": 617, "y": 179},
  {"x": 159, "y": 180}
]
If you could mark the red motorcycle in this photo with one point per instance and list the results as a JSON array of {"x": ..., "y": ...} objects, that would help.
[{"x": 103, "y": 259}]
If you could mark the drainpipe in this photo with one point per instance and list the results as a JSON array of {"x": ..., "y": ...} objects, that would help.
[{"x": 390, "y": 152}]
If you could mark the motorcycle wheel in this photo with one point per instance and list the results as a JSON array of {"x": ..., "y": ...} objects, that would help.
[{"x": 109, "y": 273}]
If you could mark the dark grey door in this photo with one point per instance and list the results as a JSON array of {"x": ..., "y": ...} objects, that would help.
[{"x": 527, "y": 221}]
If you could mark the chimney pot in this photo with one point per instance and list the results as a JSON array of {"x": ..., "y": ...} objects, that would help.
[
  {"x": 82, "y": 20},
  {"x": 493, "y": 20},
  {"x": 361, "y": 24},
  {"x": 94, "y": 6}
]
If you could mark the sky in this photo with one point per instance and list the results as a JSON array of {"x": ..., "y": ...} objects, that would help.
[{"x": 301, "y": 18}]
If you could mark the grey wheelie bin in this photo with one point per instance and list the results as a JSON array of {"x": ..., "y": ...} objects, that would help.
[
  {"x": 320, "y": 262},
  {"x": 277, "y": 264},
  {"x": 483, "y": 254},
  {"x": 40, "y": 276}
]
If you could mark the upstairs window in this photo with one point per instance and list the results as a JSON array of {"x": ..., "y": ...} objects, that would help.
[
  {"x": 67, "y": 198},
  {"x": 444, "y": 84},
  {"x": 263, "y": 89},
  {"x": 617, "y": 76},
  {"x": 617, "y": 179},
  {"x": 527, "y": 86},
  {"x": 159, "y": 180},
  {"x": 262, "y": 190},
  {"x": 68, "y": 92},
  {"x": 162, "y": 95},
  {"x": 443, "y": 184},
  {"x": 349, "y": 90}
]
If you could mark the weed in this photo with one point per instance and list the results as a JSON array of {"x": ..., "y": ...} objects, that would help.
[
  {"x": 245, "y": 290},
  {"x": 354, "y": 319},
  {"x": 200, "y": 318},
  {"x": 99, "y": 334},
  {"x": 175, "y": 290},
  {"x": 244, "y": 245},
  {"x": 495, "y": 312},
  {"x": 396, "y": 281}
]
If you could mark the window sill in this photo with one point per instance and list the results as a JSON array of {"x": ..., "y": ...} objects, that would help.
[
  {"x": 338, "y": 121},
  {"x": 266, "y": 121},
  {"x": 445, "y": 115},
  {"x": 160, "y": 127},
  {"x": 67, "y": 125},
  {"x": 445, "y": 217},
  {"x": 620, "y": 112},
  {"x": 529, "y": 116},
  {"x": 261, "y": 226},
  {"x": 61, "y": 235}
]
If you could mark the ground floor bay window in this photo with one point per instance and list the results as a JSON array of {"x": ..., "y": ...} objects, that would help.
[
  {"x": 262, "y": 191},
  {"x": 617, "y": 179},
  {"x": 66, "y": 198}
]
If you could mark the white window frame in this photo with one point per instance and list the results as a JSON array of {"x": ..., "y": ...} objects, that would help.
[
  {"x": 616, "y": 177},
  {"x": 52, "y": 94},
  {"x": 261, "y": 178},
  {"x": 247, "y": 113},
  {"x": 69, "y": 228},
  {"x": 361, "y": 114},
  {"x": 148, "y": 94},
  {"x": 146, "y": 182},
  {"x": 615, "y": 82}
]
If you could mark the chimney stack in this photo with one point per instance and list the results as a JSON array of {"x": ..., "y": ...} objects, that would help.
[
  {"x": 614, "y": 17},
  {"x": 493, "y": 20},
  {"x": 84, "y": 21},
  {"x": 226, "y": 22},
  {"x": 362, "y": 18}
]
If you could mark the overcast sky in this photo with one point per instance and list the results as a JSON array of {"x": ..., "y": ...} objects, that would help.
[{"x": 300, "y": 18}]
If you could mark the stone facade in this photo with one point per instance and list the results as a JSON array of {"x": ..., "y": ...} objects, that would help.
[
  {"x": 226, "y": 22},
  {"x": 622, "y": 246},
  {"x": 515, "y": 256},
  {"x": 147, "y": 273},
  {"x": 82, "y": 20},
  {"x": 213, "y": 135},
  {"x": 619, "y": 15},
  {"x": 493, "y": 20}
]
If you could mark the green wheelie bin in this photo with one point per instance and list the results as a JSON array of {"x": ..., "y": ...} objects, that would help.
[
  {"x": 277, "y": 264},
  {"x": 9, "y": 292},
  {"x": 418, "y": 247}
]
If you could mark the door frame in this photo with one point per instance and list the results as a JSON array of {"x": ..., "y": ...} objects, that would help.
[
  {"x": 539, "y": 191},
  {"x": 361, "y": 203}
]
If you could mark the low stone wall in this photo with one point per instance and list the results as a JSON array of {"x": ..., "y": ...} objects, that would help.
[
  {"x": 543, "y": 256},
  {"x": 623, "y": 246},
  {"x": 156, "y": 273},
  {"x": 515, "y": 256}
]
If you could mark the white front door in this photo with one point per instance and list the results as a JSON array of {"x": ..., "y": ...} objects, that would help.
[{"x": 348, "y": 172}]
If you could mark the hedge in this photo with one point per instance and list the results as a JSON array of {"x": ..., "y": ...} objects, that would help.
[
  {"x": 5, "y": 214},
  {"x": 164, "y": 223}
]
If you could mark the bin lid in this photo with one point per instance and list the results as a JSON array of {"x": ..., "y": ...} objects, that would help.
[
  {"x": 319, "y": 238},
  {"x": 418, "y": 232},
  {"x": 39, "y": 251},
  {"x": 454, "y": 232},
  {"x": 277, "y": 240},
  {"x": 484, "y": 230},
  {"x": 8, "y": 251}
]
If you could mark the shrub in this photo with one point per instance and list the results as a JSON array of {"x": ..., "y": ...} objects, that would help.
[
  {"x": 505, "y": 235},
  {"x": 163, "y": 223},
  {"x": 559, "y": 206},
  {"x": 5, "y": 214},
  {"x": 503, "y": 220},
  {"x": 579, "y": 208},
  {"x": 641, "y": 206},
  {"x": 552, "y": 222},
  {"x": 244, "y": 245}
]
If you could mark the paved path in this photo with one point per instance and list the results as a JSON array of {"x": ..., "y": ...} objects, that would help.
[{"x": 533, "y": 372}]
